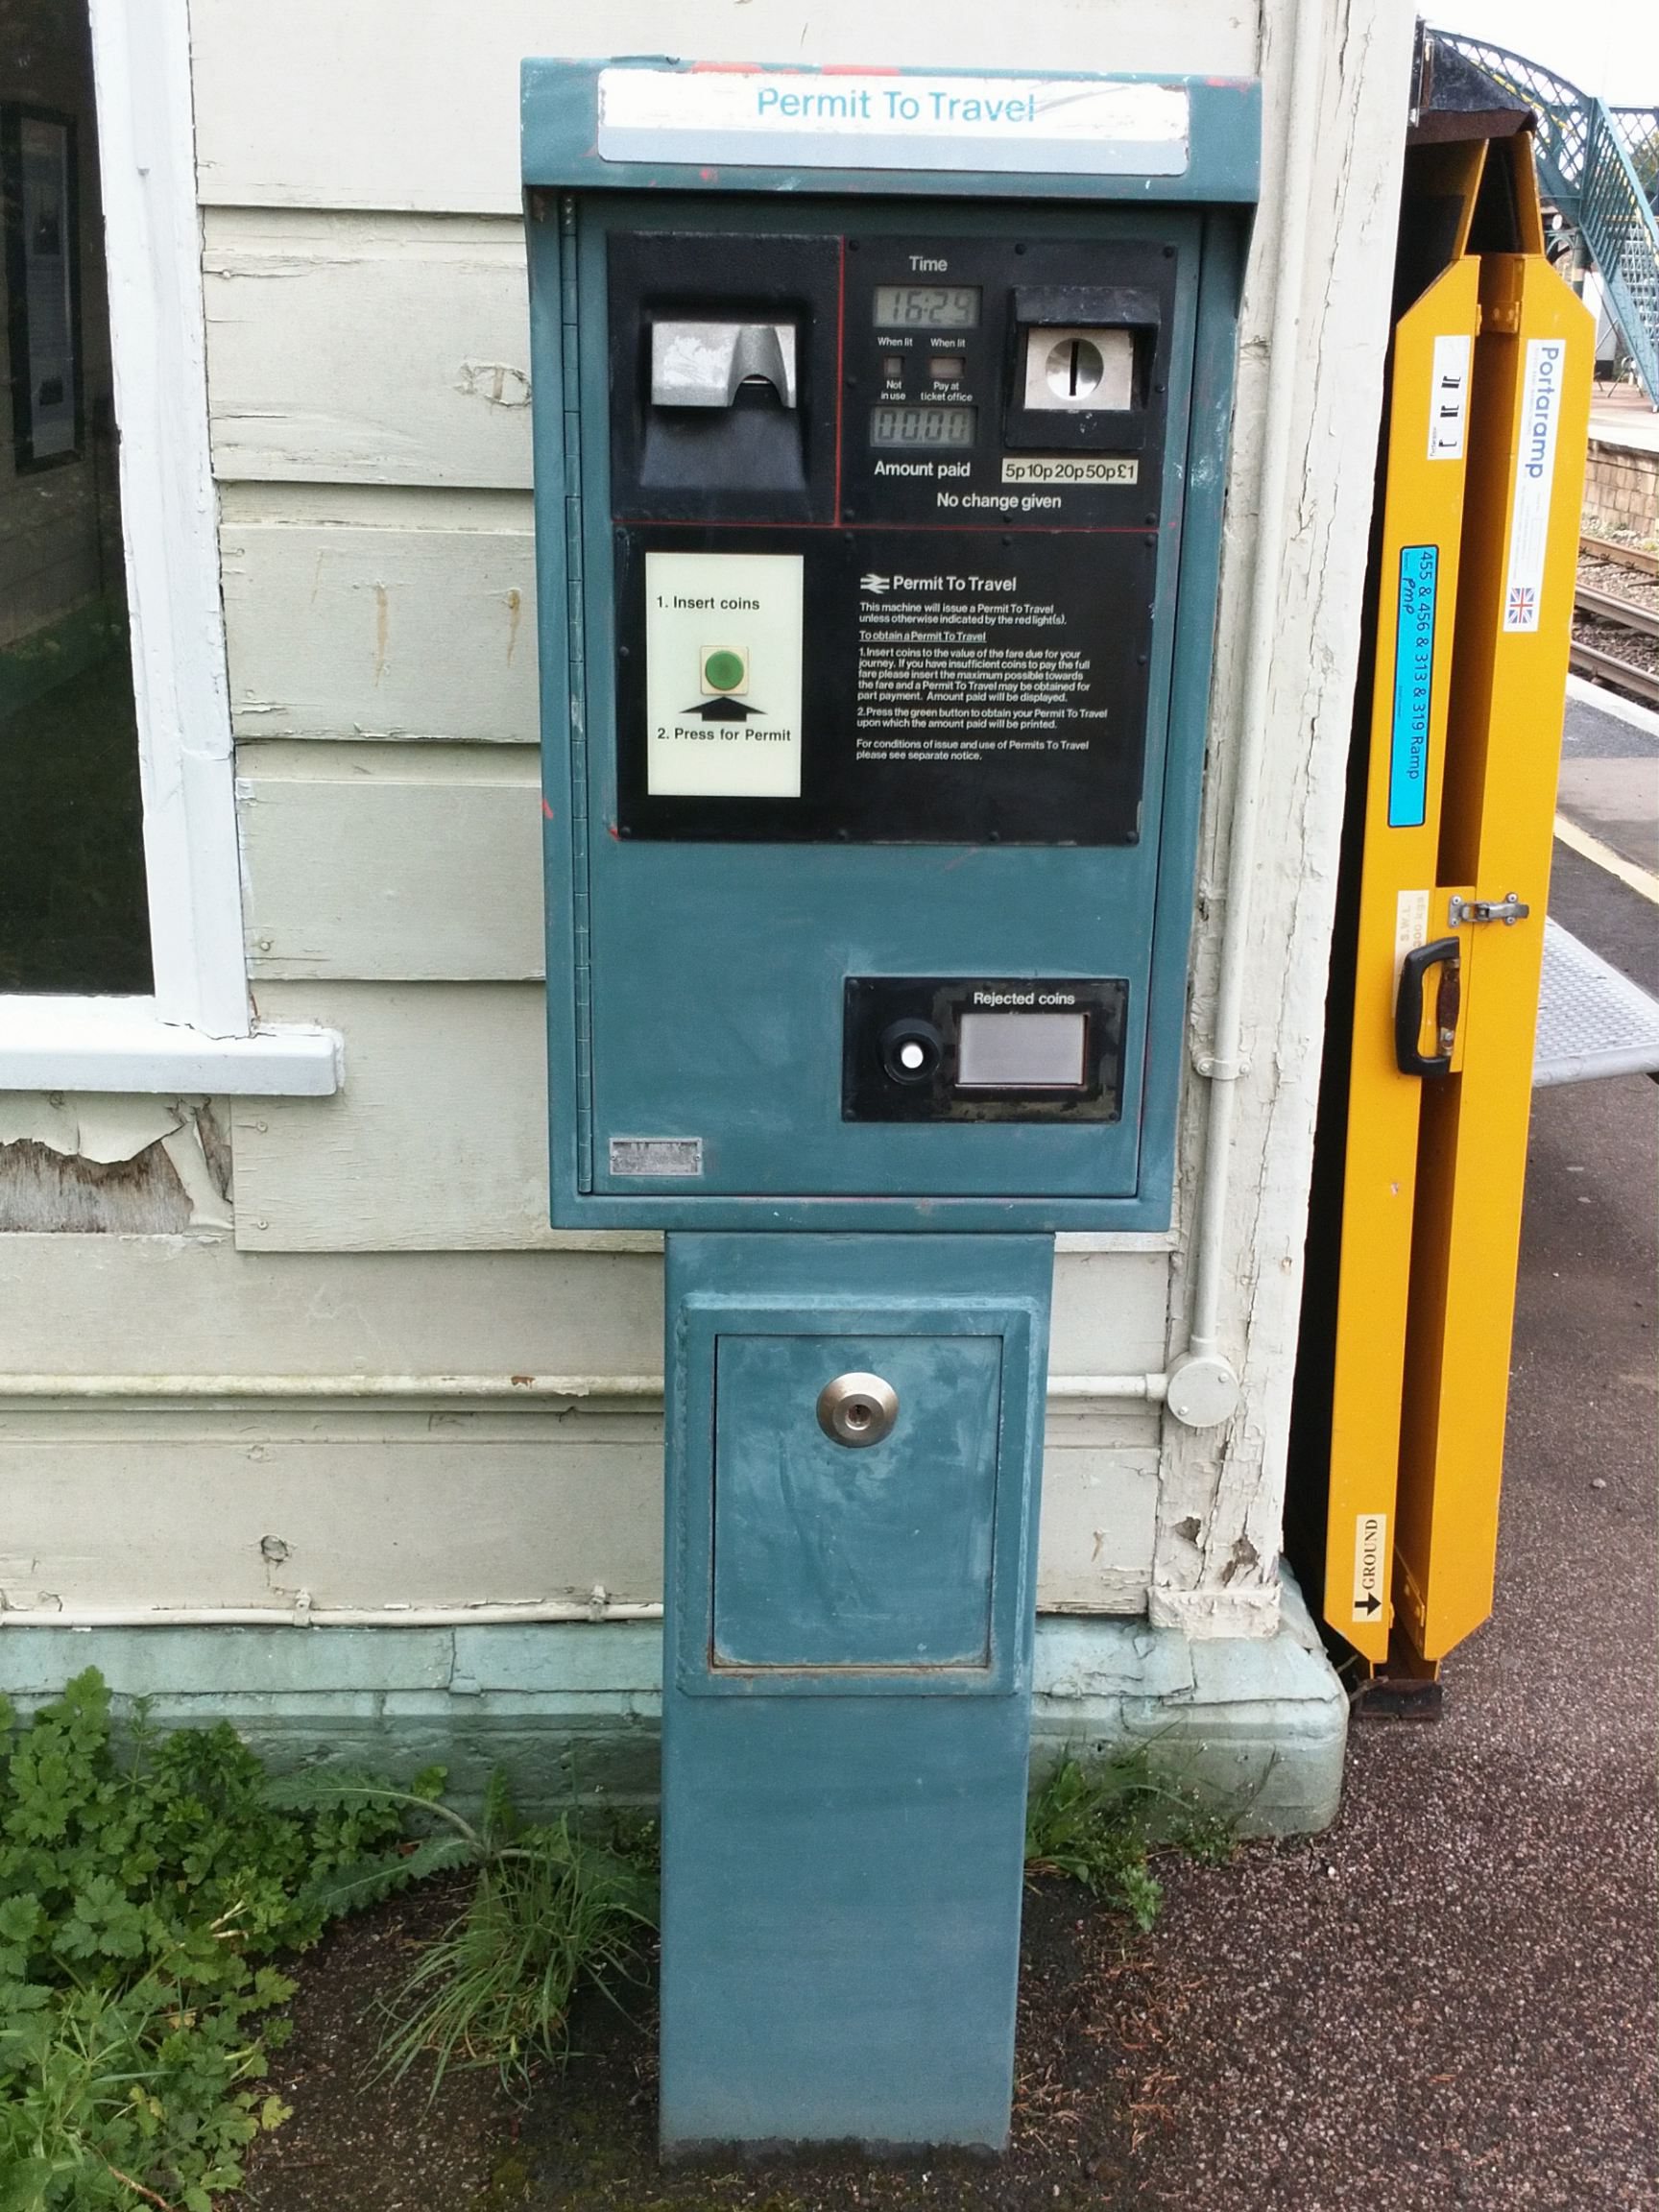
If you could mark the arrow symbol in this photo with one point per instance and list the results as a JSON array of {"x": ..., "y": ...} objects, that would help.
[{"x": 1369, "y": 1604}]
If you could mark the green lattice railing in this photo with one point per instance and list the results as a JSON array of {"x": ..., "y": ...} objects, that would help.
[{"x": 1599, "y": 166}]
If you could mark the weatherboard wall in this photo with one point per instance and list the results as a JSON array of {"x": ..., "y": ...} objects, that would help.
[{"x": 325, "y": 1268}]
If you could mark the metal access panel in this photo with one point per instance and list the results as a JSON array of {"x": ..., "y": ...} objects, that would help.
[
  {"x": 878, "y": 515},
  {"x": 854, "y": 1445}
]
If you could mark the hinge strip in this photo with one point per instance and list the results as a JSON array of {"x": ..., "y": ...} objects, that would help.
[{"x": 576, "y": 651}]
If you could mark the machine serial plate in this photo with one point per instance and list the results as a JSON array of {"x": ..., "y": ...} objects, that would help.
[{"x": 656, "y": 1155}]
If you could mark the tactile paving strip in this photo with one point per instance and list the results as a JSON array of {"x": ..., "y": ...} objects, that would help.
[{"x": 1592, "y": 1021}]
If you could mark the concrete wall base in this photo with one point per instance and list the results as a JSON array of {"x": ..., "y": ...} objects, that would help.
[
  {"x": 572, "y": 1709},
  {"x": 1257, "y": 1724}
]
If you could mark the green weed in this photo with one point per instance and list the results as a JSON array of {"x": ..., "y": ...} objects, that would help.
[
  {"x": 138, "y": 1893},
  {"x": 1101, "y": 1822}
]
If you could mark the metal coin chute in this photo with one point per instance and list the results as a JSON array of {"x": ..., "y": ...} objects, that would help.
[
  {"x": 857, "y": 1410},
  {"x": 707, "y": 364}
]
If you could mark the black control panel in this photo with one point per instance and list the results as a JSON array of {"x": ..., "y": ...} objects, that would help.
[
  {"x": 1004, "y": 1048},
  {"x": 987, "y": 385},
  {"x": 959, "y": 446}
]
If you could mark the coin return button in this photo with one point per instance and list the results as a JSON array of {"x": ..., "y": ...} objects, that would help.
[{"x": 1020, "y": 1051}]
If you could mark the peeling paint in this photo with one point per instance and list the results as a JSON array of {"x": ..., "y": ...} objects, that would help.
[
  {"x": 1242, "y": 1558},
  {"x": 93, "y": 1125},
  {"x": 109, "y": 1164},
  {"x": 201, "y": 1161},
  {"x": 497, "y": 382}
]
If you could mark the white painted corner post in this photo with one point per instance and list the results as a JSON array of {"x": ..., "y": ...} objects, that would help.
[{"x": 1312, "y": 343}]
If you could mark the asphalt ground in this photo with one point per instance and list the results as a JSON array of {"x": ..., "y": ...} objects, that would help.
[
  {"x": 1450, "y": 1999},
  {"x": 1610, "y": 778}
]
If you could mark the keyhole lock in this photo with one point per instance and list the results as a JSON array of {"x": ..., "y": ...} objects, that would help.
[{"x": 857, "y": 1410}]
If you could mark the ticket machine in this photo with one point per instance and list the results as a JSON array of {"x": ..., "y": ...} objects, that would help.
[{"x": 881, "y": 429}]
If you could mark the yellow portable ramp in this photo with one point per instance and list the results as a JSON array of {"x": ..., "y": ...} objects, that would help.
[
  {"x": 1474, "y": 577},
  {"x": 1504, "y": 744},
  {"x": 1427, "y": 445}
]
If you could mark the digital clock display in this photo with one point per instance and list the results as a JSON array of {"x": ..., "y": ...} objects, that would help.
[
  {"x": 927, "y": 307},
  {"x": 922, "y": 426}
]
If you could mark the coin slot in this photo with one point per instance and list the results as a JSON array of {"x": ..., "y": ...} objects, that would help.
[{"x": 1079, "y": 370}]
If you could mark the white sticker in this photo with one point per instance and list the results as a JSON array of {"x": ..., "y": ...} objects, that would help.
[
  {"x": 1370, "y": 1564},
  {"x": 1448, "y": 399},
  {"x": 1410, "y": 928},
  {"x": 1534, "y": 481},
  {"x": 722, "y": 675},
  {"x": 889, "y": 119},
  {"x": 1069, "y": 468}
]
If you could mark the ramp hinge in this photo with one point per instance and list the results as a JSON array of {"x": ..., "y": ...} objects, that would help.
[{"x": 1508, "y": 909}]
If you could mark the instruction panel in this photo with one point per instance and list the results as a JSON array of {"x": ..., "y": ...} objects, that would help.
[
  {"x": 954, "y": 669},
  {"x": 902, "y": 686},
  {"x": 723, "y": 674}
]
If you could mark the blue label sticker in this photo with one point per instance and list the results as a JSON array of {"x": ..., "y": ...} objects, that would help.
[{"x": 1414, "y": 687}]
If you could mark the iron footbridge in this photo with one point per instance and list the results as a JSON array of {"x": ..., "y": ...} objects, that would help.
[{"x": 1598, "y": 166}]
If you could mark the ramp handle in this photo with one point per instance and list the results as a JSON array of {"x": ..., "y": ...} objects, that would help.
[{"x": 1446, "y": 955}]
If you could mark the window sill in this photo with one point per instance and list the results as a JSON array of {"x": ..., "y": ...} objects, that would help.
[{"x": 124, "y": 1044}]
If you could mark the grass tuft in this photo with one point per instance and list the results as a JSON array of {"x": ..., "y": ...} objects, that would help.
[
  {"x": 553, "y": 1909},
  {"x": 1100, "y": 1822}
]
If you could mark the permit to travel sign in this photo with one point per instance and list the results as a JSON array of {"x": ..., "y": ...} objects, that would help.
[{"x": 889, "y": 119}]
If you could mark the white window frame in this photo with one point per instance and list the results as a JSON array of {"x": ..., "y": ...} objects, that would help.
[{"x": 196, "y": 1032}]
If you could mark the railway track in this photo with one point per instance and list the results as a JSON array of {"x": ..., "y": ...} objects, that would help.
[
  {"x": 1635, "y": 557},
  {"x": 1615, "y": 612},
  {"x": 1623, "y": 675},
  {"x": 1608, "y": 607}
]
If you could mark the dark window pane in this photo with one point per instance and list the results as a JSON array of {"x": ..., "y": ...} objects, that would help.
[{"x": 73, "y": 914}]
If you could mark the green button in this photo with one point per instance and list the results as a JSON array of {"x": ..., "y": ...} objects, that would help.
[{"x": 723, "y": 671}]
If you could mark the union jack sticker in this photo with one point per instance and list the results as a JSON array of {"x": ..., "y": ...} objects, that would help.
[{"x": 1523, "y": 613}]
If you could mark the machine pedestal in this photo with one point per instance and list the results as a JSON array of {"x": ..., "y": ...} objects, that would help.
[{"x": 847, "y": 1683}]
